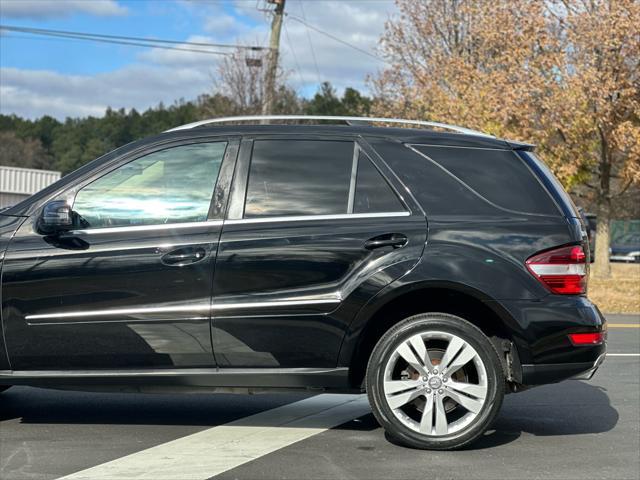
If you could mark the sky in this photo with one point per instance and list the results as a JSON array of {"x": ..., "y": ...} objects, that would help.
[{"x": 71, "y": 78}]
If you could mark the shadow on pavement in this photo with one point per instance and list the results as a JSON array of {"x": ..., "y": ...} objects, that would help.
[
  {"x": 36, "y": 405},
  {"x": 569, "y": 408}
]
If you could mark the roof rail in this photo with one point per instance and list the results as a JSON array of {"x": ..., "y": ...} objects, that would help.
[{"x": 347, "y": 120}]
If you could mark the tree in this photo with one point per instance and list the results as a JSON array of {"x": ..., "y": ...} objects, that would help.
[
  {"x": 603, "y": 99},
  {"x": 560, "y": 73},
  {"x": 25, "y": 153},
  {"x": 239, "y": 88},
  {"x": 327, "y": 102}
]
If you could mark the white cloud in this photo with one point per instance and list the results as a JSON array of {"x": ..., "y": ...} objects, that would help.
[
  {"x": 357, "y": 23},
  {"x": 223, "y": 24},
  {"x": 167, "y": 75},
  {"x": 33, "y": 93},
  {"x": 59, "y": 8},
  {"x": 182, "y": 58}
]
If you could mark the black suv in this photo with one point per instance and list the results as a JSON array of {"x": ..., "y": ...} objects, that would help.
[{"x": 437, "y": 271}]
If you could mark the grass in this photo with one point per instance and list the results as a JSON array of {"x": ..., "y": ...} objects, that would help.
[{"x": 621, "y": 292}]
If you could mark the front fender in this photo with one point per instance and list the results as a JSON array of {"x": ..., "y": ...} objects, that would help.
[{"x": 8, "y": 227}]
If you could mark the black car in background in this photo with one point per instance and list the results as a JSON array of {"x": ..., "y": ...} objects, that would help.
[{"x": 434, "y": 270}]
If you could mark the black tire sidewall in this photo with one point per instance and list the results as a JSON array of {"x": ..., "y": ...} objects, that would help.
[{"x": 450, "y": 324}]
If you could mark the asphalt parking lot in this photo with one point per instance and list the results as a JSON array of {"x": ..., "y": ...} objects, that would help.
[{"x": 574, "y": 429}]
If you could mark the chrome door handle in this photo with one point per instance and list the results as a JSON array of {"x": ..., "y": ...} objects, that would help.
[
  {"x": 395, "y": 240},
  {"x": 184, "y": 256}
]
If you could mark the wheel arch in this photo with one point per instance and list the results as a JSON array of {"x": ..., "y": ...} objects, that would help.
[{"x": 385, "y": 311}]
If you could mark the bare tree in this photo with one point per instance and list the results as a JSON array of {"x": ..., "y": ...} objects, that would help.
[{"x": 239, "y": 85}]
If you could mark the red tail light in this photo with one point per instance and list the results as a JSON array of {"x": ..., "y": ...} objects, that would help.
[
  {"x": 586, "y": 339},
  {"x": 562, "y": 270}
]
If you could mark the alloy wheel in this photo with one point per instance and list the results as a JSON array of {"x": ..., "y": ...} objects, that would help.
[{"x": 435, "y": 383}]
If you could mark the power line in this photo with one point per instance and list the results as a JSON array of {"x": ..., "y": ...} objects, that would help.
[
  {"x": 293, "y": 52},
  {"x": 78, "y": 40},
  {"x": 125, "y": 40},
  {"x": 333, "y": 37},
  {"x": 313, "y": 53},
  {"x": 136, "y": 44}
]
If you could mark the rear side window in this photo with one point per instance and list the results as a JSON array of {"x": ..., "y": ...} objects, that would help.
[
  {"x": 299, "y": 177},
  {"x": 500, "y": 176},
  {"x": 373, "y": 193}
]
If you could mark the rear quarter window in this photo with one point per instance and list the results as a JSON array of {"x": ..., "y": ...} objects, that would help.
[{"x": 499, "y": 176}]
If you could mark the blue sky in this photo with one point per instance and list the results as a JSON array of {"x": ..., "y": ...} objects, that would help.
[{"x": 60, "y": 77}]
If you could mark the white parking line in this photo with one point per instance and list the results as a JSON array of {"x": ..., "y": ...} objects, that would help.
[
  {"x": 623, "y": 354},
  {"x": 218, "y": 449}
]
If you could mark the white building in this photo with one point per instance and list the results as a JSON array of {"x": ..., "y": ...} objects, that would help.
[{"x": 16, "y": 184}]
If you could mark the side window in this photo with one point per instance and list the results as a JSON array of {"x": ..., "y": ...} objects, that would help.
[
  {"x": 500, "y": 176},
  {"x": 373, "y": 193},
  {"x": 299, "y": 177},
  {"x": 169, "y": 186}
]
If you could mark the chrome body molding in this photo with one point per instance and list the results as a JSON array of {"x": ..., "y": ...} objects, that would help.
[{"x": 334, "y": 298}]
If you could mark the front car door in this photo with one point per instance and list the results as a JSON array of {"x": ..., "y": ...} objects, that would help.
[
  {"x": 315, "y": 229},
  {"x": 130, "y": 286}
]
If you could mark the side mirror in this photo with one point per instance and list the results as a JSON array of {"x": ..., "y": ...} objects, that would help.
[{"x": 56, "y": 217}]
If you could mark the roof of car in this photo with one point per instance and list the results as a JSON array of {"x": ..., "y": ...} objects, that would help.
[
  {"x": 403, "y": 135},
  {"x": 431, "y": 132}
]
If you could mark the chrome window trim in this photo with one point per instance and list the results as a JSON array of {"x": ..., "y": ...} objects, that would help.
[
  {"x": 506, "y": 147},
  {"x": 352, "y": 181},
  {"x": 145, "y": 228},
  {"x": 302, "y": 218}
]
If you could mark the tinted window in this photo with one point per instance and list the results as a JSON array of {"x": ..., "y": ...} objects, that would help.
[
  {"x": 373, "y": 193},
  {"x": 500, "y": 176},
  {"x": 299, "y": 177},
  {"x": 170, "y": 186}
]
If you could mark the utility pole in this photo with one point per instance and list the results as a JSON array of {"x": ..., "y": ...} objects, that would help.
[{"x": 272, "y": 64}]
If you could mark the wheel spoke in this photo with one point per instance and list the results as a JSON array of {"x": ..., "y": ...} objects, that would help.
[
  {"x": 471, "y": 404},
  {"x": 421, "y": 349},
  {"x": 478, "y": 391},
  {"x": 395, "y": 386},
  {"x": 426, "y": 421},
  {"x": 405, "y": 352},
  {"x": 467, "y": 354},
  {"x": 455, "y": 344},
  {"x": 397, "y": 401},
  {"x": 442, "y": 427}
]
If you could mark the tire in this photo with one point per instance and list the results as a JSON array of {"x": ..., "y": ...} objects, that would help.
[
  {"x": 400, "y": 407},
  {"x": 4, "y": 387}
]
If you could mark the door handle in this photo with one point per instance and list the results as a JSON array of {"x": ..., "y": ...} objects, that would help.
[
  {"x": 395, "y": 240},
  {"x": 184, "y": 256}
]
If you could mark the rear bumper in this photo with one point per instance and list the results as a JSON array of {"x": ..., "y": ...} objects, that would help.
[
  {"x": 545, "y": 352},
  {"x": 556, "y": 372}
]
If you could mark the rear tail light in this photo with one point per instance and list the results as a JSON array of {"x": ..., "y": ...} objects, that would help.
[
  {"x": 586, "y": 339},
  {"x": 562, "y": 270}
]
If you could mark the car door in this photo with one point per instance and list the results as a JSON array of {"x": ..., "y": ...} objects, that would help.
[
  {"x": 130, "y": 286},
  {"x": 315, "y": 229}
]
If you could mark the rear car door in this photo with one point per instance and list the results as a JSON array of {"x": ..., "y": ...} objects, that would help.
[
  {"x": 130, "y": 287},
  {"x": 315, "y": 228}
]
